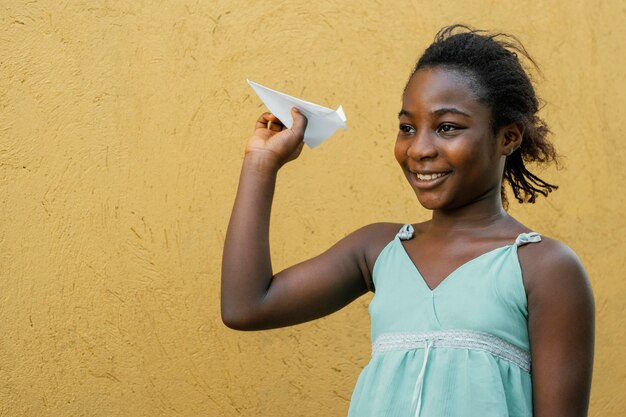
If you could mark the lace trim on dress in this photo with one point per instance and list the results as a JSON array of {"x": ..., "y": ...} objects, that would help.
[{"x": 461, "y": 339}]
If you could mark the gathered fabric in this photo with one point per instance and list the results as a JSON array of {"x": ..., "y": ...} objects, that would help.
[{"x": 460, "y": 349}]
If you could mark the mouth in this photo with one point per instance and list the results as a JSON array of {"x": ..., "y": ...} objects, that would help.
[
  {"x": 429, "y": 180},
  {"x": 428, "y": 177}
]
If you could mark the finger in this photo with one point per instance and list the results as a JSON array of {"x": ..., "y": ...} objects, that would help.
[
  {"x": 275, "y": 126},
  {"x": 264, "y": 119},
  {"x": 298, "y": 126},
  {"x": 299, "y": 122}
]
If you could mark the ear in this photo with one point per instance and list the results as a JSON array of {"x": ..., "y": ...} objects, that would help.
[{"x": 511, "y": 138}]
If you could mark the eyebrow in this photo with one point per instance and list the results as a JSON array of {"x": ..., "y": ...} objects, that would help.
[{"x": 437, "y": 112}]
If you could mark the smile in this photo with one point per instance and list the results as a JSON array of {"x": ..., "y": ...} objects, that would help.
[{"x": 429, "y": 177}]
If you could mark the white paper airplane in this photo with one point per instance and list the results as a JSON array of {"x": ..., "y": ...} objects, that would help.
[{"x": 322, "y": 121}]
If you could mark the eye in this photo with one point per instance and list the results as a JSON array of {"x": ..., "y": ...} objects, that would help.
[
  {"x": 447, "y": 128},
  {"x": 407, "y": 129}
]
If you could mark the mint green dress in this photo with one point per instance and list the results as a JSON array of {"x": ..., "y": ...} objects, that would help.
[{"x": 460, "y": 350}]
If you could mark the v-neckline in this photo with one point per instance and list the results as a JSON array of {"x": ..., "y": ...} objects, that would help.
[{"x": 451, "y": 274}]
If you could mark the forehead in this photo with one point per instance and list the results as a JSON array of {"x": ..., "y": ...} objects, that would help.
[{"x": 432, "y": 88}]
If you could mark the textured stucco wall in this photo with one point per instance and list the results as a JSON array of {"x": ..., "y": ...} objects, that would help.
[{"x": 122, "y": 126}]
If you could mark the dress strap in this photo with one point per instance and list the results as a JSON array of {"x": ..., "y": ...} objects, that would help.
[
  {"x": 525, "y": 238},
  {"x": 406, "y": 233}
]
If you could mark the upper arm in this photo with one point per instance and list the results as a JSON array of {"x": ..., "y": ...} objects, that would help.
[
  {"x": 561, "y": 328},
  {"x": 325, "y": 283}
]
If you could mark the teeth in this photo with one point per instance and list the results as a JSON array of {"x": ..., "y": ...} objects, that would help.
[{"x": 427, "y": 177}]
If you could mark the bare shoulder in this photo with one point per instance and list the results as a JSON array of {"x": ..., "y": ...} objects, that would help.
[
  {"x": 551, "y": 267},
  {"x": 367, "y": 243},
  {"x": 379, "y": 231},
  {"x": 374, "y": 237}
]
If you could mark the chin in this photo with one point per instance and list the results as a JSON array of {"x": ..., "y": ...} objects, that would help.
[
  {"x": 437, "y": 202},
  {"x": 429, "y": 203}
]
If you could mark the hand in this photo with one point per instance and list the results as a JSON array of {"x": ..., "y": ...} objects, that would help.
[{"x": 273, "y": 142}]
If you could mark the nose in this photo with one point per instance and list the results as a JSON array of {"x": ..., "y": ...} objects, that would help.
[{"x": 422, "y": 146}]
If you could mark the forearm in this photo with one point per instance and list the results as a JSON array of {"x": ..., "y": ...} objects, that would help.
[{"x": 246, "y": 261}]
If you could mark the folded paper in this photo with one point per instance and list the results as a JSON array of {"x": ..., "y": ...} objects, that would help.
[{"x": 322, "y": 121}]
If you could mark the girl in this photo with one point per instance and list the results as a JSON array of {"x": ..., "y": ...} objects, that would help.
[{"x": 465, "y": 302}]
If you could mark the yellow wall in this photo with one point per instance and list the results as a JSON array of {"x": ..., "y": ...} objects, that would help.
[{"x": 122, "y": 126}]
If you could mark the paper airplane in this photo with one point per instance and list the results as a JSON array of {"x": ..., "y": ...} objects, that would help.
[{"x": 322, "y": 121}]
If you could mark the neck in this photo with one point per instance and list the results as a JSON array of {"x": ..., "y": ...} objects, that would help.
[{"x": 481, "y": 214}]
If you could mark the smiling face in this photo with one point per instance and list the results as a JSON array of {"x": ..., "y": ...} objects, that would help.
[{"x": 445, "y": 144}]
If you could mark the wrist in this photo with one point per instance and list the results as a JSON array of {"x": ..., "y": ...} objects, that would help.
[{"x": 261, "y": 162}]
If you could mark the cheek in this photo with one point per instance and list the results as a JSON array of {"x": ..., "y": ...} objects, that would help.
[
  {"x": 399, "y": 151},
  {"x": 468, "y": 152}
]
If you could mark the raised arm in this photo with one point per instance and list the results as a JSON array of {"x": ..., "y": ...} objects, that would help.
[
  {"x": 561, "y": 326},
  {"x": 252, "y": 296}
]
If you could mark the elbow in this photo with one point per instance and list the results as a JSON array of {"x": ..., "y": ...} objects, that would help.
[
  {"x": 237, "y": 320},
  {"x": 242, "y": 311},
  {"x": 235, "y": 323},
  {"x": 232, "y": 320}
]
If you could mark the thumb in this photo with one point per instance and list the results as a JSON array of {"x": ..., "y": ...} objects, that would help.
[{"x": 299, "y": 122}]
